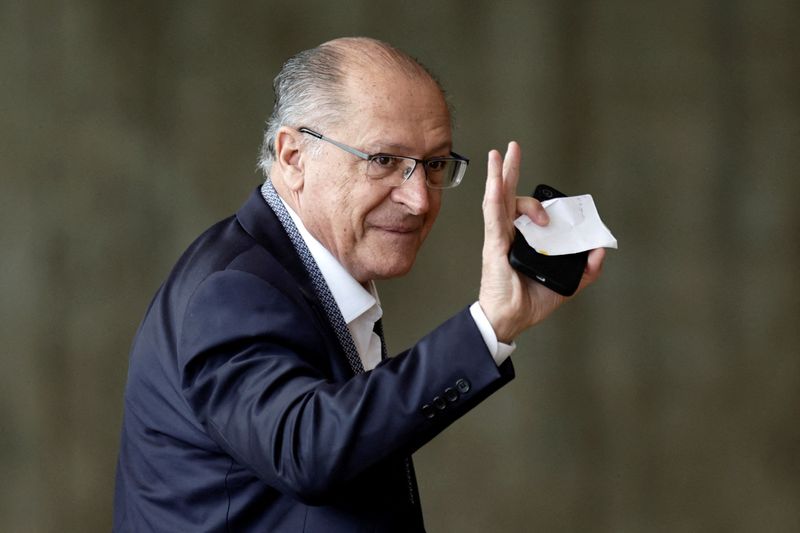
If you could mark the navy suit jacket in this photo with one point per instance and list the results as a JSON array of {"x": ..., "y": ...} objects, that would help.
[{"x": 242, "y": 414}]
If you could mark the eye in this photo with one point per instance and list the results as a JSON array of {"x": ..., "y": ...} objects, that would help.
[
  {"x": 437, "y": 165},
  {"x": 385, "y": 161}
]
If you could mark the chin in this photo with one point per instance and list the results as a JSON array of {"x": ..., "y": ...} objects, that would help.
[
  {"x": 385, "y": 260},
  {"x": 392, "y": 266}
]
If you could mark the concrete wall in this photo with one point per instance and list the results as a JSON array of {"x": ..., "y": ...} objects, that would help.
[{"x": 666, "y": 398}]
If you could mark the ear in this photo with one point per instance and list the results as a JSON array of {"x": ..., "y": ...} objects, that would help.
[{"x": 288, "y": 157}]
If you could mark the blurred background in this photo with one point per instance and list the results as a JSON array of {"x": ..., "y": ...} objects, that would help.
[{"x": 666, "y": 398}]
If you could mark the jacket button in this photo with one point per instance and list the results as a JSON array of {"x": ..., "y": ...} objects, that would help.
[
  {"x": 451, "y": 394},
  {"x": 463, "y": 385},
  {"x": 439, "y": 403},
  {"x": 428, "y": 411}
]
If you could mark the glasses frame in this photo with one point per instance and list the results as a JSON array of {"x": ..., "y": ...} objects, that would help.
[{"x": 370, "y": 157}]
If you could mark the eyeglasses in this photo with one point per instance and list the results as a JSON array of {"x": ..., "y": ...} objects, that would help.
[{"x": 395, "y": 170}]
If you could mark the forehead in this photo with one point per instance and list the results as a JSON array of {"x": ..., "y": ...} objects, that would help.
[{"x": 389, "y": 107}]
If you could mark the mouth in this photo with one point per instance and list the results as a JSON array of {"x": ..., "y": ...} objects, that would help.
[
  {"x": 398, "y": 230},
  {"x": 396, "y": 225}
]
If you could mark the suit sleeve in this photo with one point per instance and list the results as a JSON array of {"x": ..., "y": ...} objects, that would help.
[{"x": 251, "y": 361}]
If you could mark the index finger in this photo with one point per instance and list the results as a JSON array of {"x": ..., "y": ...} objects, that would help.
[
  {"x": 527, "y": 205},
  {"x": 494, "y": 213}
]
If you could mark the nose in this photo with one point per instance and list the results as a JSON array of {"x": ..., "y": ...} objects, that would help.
[{"x": 414, "y": 193}]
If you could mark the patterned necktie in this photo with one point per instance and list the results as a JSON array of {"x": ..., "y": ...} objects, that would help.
[{"x": 378, "y": 329}]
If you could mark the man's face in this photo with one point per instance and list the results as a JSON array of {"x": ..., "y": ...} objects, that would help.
[{"x": 373, "y": 230}]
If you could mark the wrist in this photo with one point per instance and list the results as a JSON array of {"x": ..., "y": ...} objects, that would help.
[{"x": 503, "y": 327}]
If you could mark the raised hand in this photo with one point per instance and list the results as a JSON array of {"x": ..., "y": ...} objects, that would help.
[{"x": 511, "y": 301}]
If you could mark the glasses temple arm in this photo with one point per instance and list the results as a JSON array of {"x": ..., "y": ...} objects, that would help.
[{"x": 350, "y": 149}]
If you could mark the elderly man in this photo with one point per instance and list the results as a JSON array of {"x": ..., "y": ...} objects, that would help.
[{"x": 260, "y": 396}]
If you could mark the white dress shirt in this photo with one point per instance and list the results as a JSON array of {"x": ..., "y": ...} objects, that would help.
[{"x": 360, "y": 306}]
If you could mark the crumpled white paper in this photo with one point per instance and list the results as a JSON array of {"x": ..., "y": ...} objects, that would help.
[{"x": 575, "y": 226}]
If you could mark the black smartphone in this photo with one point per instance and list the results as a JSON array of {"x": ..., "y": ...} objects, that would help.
[{"x": 561, "y": 273}]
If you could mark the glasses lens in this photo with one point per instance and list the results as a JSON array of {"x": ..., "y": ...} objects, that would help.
[
  {"x": 391, "y": 170},
  {"x": 444, "y": 173}
]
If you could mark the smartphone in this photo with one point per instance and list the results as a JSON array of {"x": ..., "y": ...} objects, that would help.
[{"x": 560, "y": 273}]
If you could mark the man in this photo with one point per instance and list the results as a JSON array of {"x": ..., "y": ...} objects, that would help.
[{"x": 259, "y": 394}]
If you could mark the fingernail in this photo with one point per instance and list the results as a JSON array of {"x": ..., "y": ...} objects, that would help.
[{"x": 542, "y": 217}]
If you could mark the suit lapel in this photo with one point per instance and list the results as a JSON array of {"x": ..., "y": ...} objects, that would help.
[{"x": 259, "y": 220}]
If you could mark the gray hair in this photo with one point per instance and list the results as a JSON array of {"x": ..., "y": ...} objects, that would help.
[{"x": 308, "y": 88}]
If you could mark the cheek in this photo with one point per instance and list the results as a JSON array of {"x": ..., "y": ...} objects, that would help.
[
  {"x": 347, "y": 210},
  {"x": 367, "y": 203},
  {"x": 326, "y": 214},
  {"x": 346, "y": 213}
]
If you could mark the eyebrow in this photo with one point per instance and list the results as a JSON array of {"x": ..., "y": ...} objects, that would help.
[{"x": 402, "y": 149}]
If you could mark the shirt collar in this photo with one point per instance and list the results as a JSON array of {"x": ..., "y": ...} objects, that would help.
[{"x": 351, "y": 297}]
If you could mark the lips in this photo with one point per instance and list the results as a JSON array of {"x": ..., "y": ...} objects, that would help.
[{"x": 398, "y": 227}]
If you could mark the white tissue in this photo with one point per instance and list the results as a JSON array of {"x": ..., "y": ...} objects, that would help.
[{"x": 575, "y": 226}]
